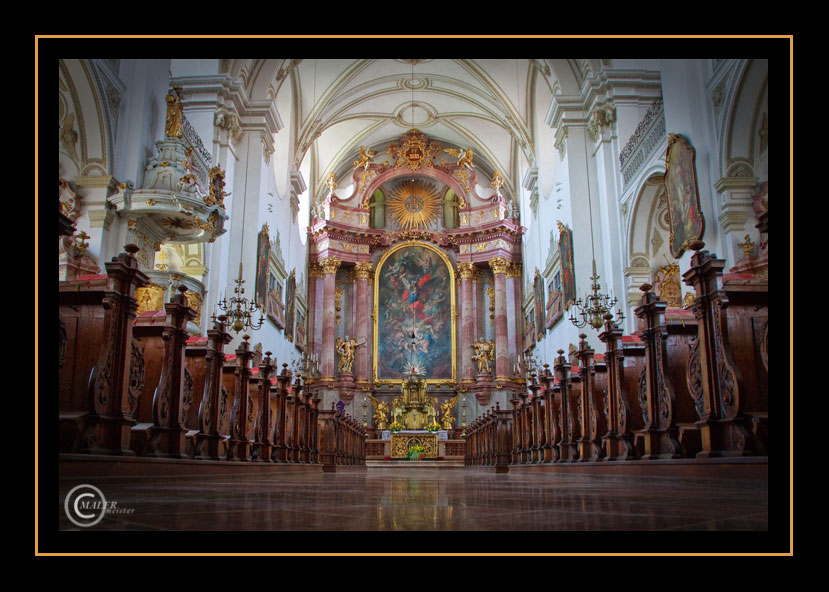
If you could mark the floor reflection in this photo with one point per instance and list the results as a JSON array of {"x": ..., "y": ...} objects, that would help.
[{"x": 431, "y": 500}]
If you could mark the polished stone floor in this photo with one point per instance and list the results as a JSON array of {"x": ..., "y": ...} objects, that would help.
[{"x": 430, "y": 499}]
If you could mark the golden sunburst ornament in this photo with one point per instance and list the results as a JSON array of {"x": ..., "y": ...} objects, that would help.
[{"x": 414, "y": 204}]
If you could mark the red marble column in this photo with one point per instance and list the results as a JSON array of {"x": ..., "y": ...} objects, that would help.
[
  {"x": 466, "y": 271},
  {"x": 315, "y": 308},
  {"x": 329, "y": 331},
  {"x": 499, "y": 270},
  {"x": 514, "y": 305},
  {"x": 362, "y": 272}
]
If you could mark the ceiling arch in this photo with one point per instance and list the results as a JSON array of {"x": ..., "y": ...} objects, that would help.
[{"x": 340, "y": 104}]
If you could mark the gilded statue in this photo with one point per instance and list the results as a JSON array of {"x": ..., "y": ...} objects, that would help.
[
  {"x": 447, "y": 419},
  {"x": 346, "y": 347},
  {"x": 484, "y": 355},
  {"x": 381, "y": 413},
  {"x": 365, "y": 158},
  {"x": 174, "y": 113},
  {"x": 464, "y": 156}
]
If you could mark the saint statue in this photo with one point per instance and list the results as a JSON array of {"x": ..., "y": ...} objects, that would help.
[
  {"x": 345, "y": 347},
  {"x": 484, "y": 355},
  {"x": 174, "y": 113}
]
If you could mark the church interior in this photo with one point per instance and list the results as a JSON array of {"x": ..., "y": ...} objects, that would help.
[{"x": 412, "y": 295}]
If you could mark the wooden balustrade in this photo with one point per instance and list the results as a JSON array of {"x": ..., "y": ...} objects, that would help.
[{"x": 342, "y": 440}]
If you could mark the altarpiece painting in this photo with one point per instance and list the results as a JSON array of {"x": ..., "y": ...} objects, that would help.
[{"x": 414, "y": 304}]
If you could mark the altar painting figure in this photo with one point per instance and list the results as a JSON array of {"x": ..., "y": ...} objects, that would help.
[
  {"x": 568, "y": 275},
  {"x": 414, "y": 296},
  {"x": 686, "y": 221}
]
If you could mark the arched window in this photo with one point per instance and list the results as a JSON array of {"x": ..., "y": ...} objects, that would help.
[
  {"x": 378, "y": 209},
  {"x": 450, "y": 210}
]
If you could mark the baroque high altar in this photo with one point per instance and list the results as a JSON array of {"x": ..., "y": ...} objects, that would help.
[{"x": 410, "y": 267}]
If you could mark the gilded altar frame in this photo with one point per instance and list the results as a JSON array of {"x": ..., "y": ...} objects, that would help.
[{"x": 376, "y": 316}]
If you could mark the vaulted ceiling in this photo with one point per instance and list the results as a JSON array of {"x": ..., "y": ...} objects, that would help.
[{"x": 334, "y": 106}]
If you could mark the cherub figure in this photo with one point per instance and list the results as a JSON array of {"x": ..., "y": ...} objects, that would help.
[
  {"x": 365, "y": 158},
  {"x": 464, "y": 156}
]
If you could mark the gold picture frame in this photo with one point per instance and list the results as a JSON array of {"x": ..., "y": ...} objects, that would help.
[{"x": 376, "y": 316}]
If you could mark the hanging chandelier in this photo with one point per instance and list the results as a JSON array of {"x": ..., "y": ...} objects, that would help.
[
  {"x": 239, "y": 310},
  {"x": 594, "y": 310}
]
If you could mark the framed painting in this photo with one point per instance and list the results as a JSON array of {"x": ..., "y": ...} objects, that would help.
[
  {"x": 276, "y": 308},
  {"x": 263, "y": 254},
  {"x": 300, "y": 331},
  {"x": 684, "y": 212},
  {"x": 290, "y": 305},
  {"x": 538, "y": 294},
  {"x": 568, "y": 274},
  {"x": 414, "y": 320}
]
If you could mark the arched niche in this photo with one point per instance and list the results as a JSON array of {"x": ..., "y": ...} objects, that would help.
[
  {"x": 743, "y": 144},
  {"x": 648, "y": 236},
  {"x": 451, "y": 205}
]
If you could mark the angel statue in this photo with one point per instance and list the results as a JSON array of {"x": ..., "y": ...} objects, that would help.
[
  {"x": 365, "y": 158},
  {"x": 464, "y": 156},
  {"x": 331, "y": 183},
  {"x": 345, "y": 347},
  {"x": 381, "y": 413},
  {"x": 484, "y": 354},
  {"x": 447, "y": 419}
]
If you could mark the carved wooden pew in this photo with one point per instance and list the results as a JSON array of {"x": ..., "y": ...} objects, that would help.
[
  {"x": 112, "y": 382},
  {"x": 283, "y": 383},
  {"x": 173, "y": 396},
  {"x": 148, "y": 331},
  {"x": 83, "y": 317},
  {"x": 624, "y": 358},
  {"x": 243, "y": 411},
  {"x": 668, "y": 413},
  {"x": 592, "y": 419},
  {"x": 566, "y": 407},
  {"x": 725, "y": 390},
  {"x": 748, "y": 316},
  {"x": 212, "y": 409},
  {"x": 263, "y": 428}
]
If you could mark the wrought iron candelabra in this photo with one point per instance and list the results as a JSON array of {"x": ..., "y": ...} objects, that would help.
[
  {"x": 239, "y": 310},
  {"x": 595, "y": 308}
]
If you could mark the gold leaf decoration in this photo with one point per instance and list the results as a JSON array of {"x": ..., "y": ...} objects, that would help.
[{"x": 414, "y": 204}]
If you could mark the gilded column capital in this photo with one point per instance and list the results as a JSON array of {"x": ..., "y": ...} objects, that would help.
[
  {"x": 315, "y": 270},
  {"x": 362, "y": 270},
  {"x": 514, "y": 270},
  {"x": 466, "y": 270},
  {"x": 330, "y": 265},
  {"x": 499, "y": 265}
]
